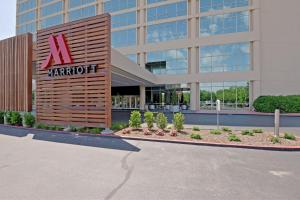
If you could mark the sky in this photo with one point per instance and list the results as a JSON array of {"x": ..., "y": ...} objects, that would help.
[{"x": 7, "y": 18}]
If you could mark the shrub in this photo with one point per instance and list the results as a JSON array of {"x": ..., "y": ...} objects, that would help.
[
  {"x": 247, "y": 132},
  {"x": 95, "y": 130},
  {"x": 2, "y": 117},
  {"x": 116, "y": 126},
  {"x": 226, "y": 129},
  {"x": 233, "y": 138},
  {"x": 42, "y": 126},
  {"x": 196, "y": 136},
  {"x": 286, "y": 104},
  {"x": 15, "y": 119},
  {"x": 169, "y": 126},
  {"x": 275, "y": 140},
  {"x": 196, "y": 128},
  {"x": 149, "y": 119},
  {"x": 73, "y": 129},
  {"x": 178, "y": 121},
  {"x": 135, "y": 119},
  {"x": 289, "y": 136},
  {"x": 161, "y": 121},
  {"x": 82, "y": 130},
  {"x": 257, "y": 130},
  {"x": 29, "y": 119},
  {"x": 7, "y": 115},
  {"x": 216, "y": 132}
]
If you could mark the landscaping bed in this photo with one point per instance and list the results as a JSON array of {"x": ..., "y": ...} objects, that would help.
[{"x": 208, "y": 136}]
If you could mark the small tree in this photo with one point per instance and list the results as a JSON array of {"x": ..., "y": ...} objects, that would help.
[
  {"x": 135, "y": 119},
  {"x": 161, "y": 121},
  {"x": 178, "y": 121},
  {"x": 149, "y": 119}
]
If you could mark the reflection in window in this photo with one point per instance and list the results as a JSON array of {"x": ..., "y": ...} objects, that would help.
[
  {"x": 173, "y": 61},
  {"x": 116, "y": 5},
  {"x": 223, "y": 24},
  {"x": 82, "y": 13},
  {"x": 52, "y": 21},
  {"x": 167, "y": 11},
  {"x": 154, "y": 1},
  {"x": 167, "y": 31},
  {"x": 27, "y": 5},
  {"x": 77, "y": 3},
  {"x": 29, "y": 16},
  {"x": 46, "y": 1},
  {"x": 51, "y": 9},
  {"x": 27, "y": 28},
  {"x": 132, "y": 57},
  {"x": 208, "y": 5},
  {"x": 125, "y": 19},
  {"x": 233, "y": 95},
  {"x": 225, "y": 58},
  {"x": 123, "y": 38}
]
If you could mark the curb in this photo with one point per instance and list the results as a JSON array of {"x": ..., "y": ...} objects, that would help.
[{"x": 240, "y": 146}]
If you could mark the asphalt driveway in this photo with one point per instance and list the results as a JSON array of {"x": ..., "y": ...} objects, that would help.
[{"x": 63, "y": 167}]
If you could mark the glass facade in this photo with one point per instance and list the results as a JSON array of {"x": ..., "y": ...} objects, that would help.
[
  {"x": 125, "y": 19},
  {"x": 27, "y": 17},
  {"x": 209, "y": 5},
  {"x": 31, "y": 28},
  {"x": 233, "y": 95},
  {"x": 46, "y": 1},
  {"x": 27, "y": 5},
  {"x": 224, "y": 24},
  {"x": 225, "y": 58},
  {"x": 167, "y": 31},
  {"x": 77, "y": 3},
  {"x": 82, "y": 13},
  {"x": 123, "y": 38},
  {"x": 52, "y": 8},
  {"x": 132, "y": 57},
  {"x": 173, "y": 61},
  {"x": 116, "y": 5},
  {"x": 154, "y": 1},
  {"x": 161, "y": 97},
  {"x": 167, "y": 11},
  {"x": 52, "y": 21}
]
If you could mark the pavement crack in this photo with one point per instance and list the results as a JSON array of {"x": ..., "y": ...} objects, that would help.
[{"x": 128, "y": 169}]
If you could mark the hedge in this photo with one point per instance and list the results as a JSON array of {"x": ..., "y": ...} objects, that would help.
[{"x": 286, "y": 104}]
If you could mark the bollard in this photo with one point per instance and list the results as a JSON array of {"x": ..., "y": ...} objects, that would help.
[
  {"x": 277, "y": 122},
  {"x": 218, "y": 110}
]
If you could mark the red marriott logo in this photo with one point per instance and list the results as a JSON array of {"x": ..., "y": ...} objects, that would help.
[{"x": 59, "y": 51}]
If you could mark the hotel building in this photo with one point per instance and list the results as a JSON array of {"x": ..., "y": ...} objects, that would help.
[{"x": 196, "y": 50}]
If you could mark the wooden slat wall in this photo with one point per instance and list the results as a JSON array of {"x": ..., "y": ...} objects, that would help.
[
  {"x": 16, "y": 73},
  {"x": 80, "y": 100}
]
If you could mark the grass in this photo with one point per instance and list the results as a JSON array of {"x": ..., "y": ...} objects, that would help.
[
  {"x": 233, "y": 138},
  {"x": 258, "y": 130},
  {"x": 247, "y": 132},
  {"x": 216, "y": 132},
  {"x": 116, "y": 126},
  {"x": 196, "y": 128},
  {"x": 289, "y": 136},
  {"x": 275, "y": 140},
  {"x": 196, "y": 136}
]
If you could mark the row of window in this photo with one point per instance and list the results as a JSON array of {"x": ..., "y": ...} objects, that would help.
[
  {"x": 209, "y": 5},
  {"x": 29, "y": 16}
]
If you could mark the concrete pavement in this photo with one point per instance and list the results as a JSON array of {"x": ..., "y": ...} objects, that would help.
[{"x": 63, "y": 167}]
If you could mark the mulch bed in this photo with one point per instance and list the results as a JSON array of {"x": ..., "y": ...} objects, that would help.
[{"x": 259, "y": 139}]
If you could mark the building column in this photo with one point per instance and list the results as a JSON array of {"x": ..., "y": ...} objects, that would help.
[
  {"x": 142, "y": 97},
  {"x": 195, "y": 97}
]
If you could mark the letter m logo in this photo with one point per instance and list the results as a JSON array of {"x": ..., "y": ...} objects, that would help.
[{"x": 59, "y": 51}]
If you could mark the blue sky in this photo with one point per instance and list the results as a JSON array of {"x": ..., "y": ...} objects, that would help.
[{"x": 7, "y": 18}]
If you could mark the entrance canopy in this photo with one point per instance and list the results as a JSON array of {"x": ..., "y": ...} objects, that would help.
[{"x": 127, "y": 73}]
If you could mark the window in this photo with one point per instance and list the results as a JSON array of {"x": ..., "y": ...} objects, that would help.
[
  {"x": 132, "y": 57},
  {"x": 27, "y": 5},
  {"x": 27, "y": 28},
  {"x": 46, "y": 1},
  {"x": 167, "y": 11},
  {"x": 52, "y": 21},
  {"x": 77, "y": 3},
  {"x": 154, "y": 1},
  {"x": 225, "y": 58},
  {"x": 123, "y": 38},
  {"x": 27, "y": 17},
  {"x": 233, "y": 95},
  {"x": 173, "y": 61},
  {"x": 208, "y": 5},
  {"x": 224, "y": 24},
  {"x": 116, "y": 5},
  {"x": 125, "y": 19},
  {"x": 52, "y": 9},
  {"x": 82, "y": 13},
  {"x": 167, "y": 31}
]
